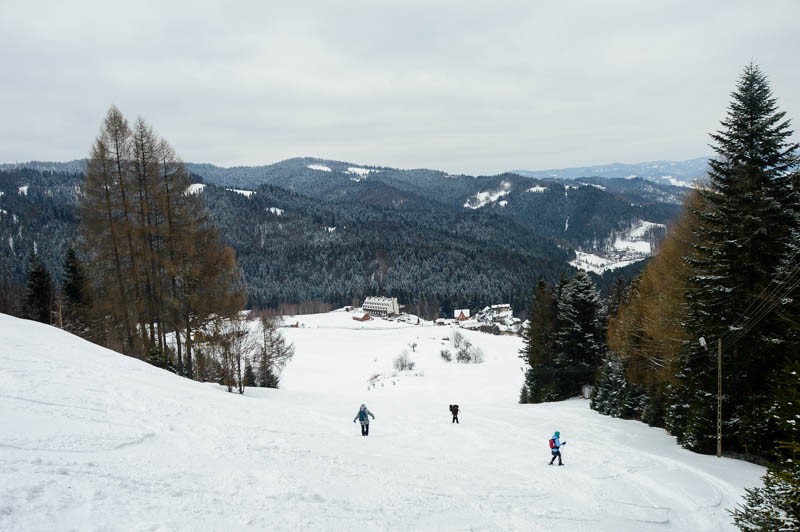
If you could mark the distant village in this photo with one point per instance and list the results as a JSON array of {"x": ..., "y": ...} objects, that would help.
[{"x": 497, "y": 319}]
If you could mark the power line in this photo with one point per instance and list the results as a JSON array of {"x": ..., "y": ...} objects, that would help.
[{"x": 765, "y": 303}]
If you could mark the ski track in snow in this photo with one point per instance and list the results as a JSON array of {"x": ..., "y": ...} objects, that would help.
[{"x": 100, "y": 441}]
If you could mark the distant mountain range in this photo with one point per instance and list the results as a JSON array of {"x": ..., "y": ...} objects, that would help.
[
  {"x": 679, "y": 173},
  {"x": 579, "y": 213},
  {"x": 76, "y": 166}
]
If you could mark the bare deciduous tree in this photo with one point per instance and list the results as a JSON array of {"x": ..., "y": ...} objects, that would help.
[
  {"x": 158, "y": 259},
  {"x": 273, "y": 353}
]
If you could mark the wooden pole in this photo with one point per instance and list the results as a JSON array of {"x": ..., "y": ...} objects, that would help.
[{"x": 719, "y": 397}]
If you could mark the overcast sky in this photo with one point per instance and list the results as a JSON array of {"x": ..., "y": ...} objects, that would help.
[{"x": 467, "y": 87}]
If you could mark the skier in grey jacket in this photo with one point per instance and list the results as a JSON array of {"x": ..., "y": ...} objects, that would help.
[{"x": 363, "y": 417}]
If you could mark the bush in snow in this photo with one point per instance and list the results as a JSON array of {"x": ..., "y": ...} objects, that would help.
[
  {"x": 468, "y": 353},
  {"x": 458, "y": 339},
  {"x": 403, "y": 362},
  {"x": 446, "y": 355},
  {"x": 490, "y": 329},
  {"x": 274, "y": 351}
]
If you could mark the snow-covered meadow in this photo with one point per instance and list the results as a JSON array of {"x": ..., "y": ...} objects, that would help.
[{"x": 93, "y": 440}]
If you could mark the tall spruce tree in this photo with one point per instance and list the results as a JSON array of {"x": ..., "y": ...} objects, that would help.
[
  {"x": 39, "y": 292},
  {"x": 580, "y": 336},
  {"x": 747, "y": 216},
  {"x": 539, "y": 347}
]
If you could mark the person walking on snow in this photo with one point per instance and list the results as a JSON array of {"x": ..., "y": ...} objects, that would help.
[
  {"x": 454, "y": 411},
  {"x": 555, "y": 447},
  {"x": 363, "y": 418}
]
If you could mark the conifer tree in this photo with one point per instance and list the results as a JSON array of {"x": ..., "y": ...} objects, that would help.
[
  {"x": 776, "y": 504},
  {"x": 564, "y": 342},
  {"x": 618, "y": 297},
  {"x": 746, "y": 220},
  {"x": 613, "y": 394},
  {"x": 580, "y": 336},
  {"x": 39, "y": 292},
  {"x": 75, "y": 291},
  {"x": 773, "y": 506},
  {"x": 249, "y": 374},
  {"x": 11, "y": 293},
  {"x": 539, "y": 347}
]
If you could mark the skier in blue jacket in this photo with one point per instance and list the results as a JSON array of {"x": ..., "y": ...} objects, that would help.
[
  {"x": 363, "y": 418},
  {"x": 555, "y": 447}
]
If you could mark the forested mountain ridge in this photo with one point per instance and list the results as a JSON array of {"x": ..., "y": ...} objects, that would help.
[
  {"x": 575, "y": 212},
  {"x": 294, "y": 248},
  {"x": 334, "y": 232}
]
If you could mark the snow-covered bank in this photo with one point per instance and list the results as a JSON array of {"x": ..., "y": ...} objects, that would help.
[{"x": 94, "y": 440}]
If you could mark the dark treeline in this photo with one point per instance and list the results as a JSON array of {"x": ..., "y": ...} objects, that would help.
[{"x": 293, "y": 249}]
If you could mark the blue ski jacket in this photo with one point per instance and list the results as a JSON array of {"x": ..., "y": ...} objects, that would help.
[{"x": 557, "y": 443}]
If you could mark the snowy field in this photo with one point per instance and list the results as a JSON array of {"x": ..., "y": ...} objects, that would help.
[{"x": 92, "y": 440}]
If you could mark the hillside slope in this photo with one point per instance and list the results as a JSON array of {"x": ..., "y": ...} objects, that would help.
[{"x": 94, "y": 440}]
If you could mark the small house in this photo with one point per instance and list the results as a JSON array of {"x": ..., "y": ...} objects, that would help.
[{"x": 461, "y": 314}]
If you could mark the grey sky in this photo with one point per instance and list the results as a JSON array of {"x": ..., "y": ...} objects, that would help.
[{"x": 465, "y": 87}]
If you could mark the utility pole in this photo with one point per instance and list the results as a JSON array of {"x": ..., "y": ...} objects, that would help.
[
  {"x": 719, "y": 397},
  {"x": 719, "y": 390}
]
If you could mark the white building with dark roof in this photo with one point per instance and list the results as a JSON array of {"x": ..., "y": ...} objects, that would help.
[{"x": 381, "y": 306}]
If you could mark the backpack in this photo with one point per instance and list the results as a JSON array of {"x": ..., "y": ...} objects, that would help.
[
  {"x": 552, "y": 443},
  {"x": 362, "y": 415}
]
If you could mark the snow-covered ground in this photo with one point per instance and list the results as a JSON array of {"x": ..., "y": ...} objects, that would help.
[
  {"x": 481, "y": 199},
  {"x": 627, "y": 247},
  {"x": 93, "y": 440}
]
